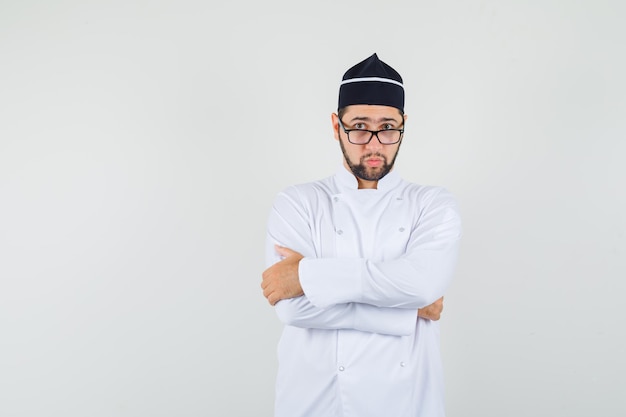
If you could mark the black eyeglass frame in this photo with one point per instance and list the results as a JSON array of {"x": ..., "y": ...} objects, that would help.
[{"x": 372, "y": 133}]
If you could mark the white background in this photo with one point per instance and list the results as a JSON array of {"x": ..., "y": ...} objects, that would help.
[{"x": 142, "y": 143}]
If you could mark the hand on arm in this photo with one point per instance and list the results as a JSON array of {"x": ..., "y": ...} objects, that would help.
[
  {"x": 281, "y": 280},
  {"x": 433, "y": 311}
]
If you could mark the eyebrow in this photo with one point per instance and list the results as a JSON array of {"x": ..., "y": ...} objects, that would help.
[{"x": 369, "y": 119}]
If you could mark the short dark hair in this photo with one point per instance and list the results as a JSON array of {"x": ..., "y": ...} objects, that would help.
[{"x": 343, "y": 110}]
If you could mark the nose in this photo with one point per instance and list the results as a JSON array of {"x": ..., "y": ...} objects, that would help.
[{"x": 374, "y": 144}]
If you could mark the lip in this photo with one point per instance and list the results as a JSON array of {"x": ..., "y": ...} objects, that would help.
[{"x": 374, "y": 162}]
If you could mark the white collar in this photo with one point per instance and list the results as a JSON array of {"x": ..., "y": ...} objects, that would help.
[{"x": 346, "y": 179}]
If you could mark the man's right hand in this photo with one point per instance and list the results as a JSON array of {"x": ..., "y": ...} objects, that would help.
[
  {"x": 433, "y": 311},
  {"x": 281, "y": 280}
]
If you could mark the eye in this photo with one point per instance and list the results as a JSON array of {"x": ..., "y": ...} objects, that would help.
[
  {"x": 359, "y": 126},
  {"x": 388, "y": 126}
]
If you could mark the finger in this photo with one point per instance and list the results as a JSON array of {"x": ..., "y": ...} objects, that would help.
[
  {"x": 267, "y": 272},
  {"x": 283, "y": 251},
  {"x": 272, "y": 299}
]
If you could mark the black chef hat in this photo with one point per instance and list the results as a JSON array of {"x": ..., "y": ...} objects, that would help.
[{"x": 372, "y": 82}]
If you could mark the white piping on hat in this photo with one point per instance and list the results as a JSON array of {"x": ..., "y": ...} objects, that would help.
[{"x": 384, "y": 80}]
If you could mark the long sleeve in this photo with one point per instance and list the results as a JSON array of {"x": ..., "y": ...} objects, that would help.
[
  {"x": 413, "y": 280},
  {"x": 289, "y": 225}
]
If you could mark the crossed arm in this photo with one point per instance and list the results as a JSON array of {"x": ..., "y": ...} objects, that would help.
[
  {"x": 281, "y": 281},
  {"x": 349, "y": 293}
]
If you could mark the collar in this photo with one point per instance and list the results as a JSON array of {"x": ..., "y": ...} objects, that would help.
[{"x": 346, "y": 180}]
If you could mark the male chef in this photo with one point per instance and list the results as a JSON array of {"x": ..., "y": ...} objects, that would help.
[{"x": 358, "y": 264}]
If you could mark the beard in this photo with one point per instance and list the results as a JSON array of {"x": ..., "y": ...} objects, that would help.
[{"x": 366, "y": 173}]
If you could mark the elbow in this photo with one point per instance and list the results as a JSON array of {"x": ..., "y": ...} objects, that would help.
[
  {"x": 416, "y": 297},
  {"x": 286, "y": 312},
  {"x": 425, "y": 295},
  {"x": 428, "y": 298},
  {"x": 428, "y": 290}
]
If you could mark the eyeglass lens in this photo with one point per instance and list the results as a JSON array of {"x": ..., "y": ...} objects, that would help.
[{"x": 364, "y": 136}]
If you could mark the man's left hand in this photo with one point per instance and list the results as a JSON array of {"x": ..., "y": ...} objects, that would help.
[
  {"x": 281, "y": 280},
  {"x": 433, "y": 311}
]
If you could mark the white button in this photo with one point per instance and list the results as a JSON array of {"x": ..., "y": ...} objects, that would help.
[
  {"x": 341, "y": 368},
  {"x": 339, "y": 232},
  {"x": 402, "y": 364},
  {"x": 401, "y": 229},
  {"x": 335, "y": 199}
]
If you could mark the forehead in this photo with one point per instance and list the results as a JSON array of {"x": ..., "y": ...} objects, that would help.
[{"x": 371, "y": 112}]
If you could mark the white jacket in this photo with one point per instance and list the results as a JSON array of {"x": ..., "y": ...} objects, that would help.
[{"x": 353, "y": 344}]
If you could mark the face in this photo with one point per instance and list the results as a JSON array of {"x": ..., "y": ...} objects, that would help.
[{"x": 372, "y": 161}]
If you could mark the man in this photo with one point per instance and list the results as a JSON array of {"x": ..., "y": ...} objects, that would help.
[{"x": 358, "y": 265}]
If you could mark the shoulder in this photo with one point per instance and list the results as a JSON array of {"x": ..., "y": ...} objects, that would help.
[
  {"x": 436, "y": 208},
  {"x": 428, "y": 195},
  {"x": 306, "y": 194}
]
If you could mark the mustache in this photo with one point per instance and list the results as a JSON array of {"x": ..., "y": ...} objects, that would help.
[{"x": 374, "y": 154}]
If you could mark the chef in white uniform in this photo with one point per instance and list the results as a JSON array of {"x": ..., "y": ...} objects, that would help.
[{"x": 358, "y": 264}]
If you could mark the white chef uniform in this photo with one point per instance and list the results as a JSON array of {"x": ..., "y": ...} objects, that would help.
[{"x": 353, "y": 344}]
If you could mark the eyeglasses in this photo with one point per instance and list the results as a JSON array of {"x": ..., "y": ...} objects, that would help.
[{"x": 364, "y": 136}]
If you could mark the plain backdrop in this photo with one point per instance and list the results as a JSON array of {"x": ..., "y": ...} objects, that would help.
[{"x": 142, "y": 143}]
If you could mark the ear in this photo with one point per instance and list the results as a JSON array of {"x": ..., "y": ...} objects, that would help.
[{"x": 335, "y": 122}]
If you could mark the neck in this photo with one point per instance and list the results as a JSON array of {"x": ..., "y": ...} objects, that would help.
[{"x": 363, "y": 184}]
